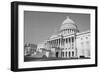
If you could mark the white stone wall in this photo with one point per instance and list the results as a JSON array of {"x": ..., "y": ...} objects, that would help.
[{"x": 83, "y": 44}]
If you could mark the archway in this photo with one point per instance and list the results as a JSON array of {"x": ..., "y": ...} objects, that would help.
[{"x": 57, "y": 54}]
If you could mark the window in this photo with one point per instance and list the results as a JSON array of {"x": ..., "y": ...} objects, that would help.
[
  {"x": 72, "y": 53},
  {"x": 69, "y": 54},
  {"x": 66, "y": 54},
  {"x": 86, "y": 37},
  {"x": 69, "y": 39},
  {"x": 66, "y": 40},
  {"x": 72, "y": 39}
]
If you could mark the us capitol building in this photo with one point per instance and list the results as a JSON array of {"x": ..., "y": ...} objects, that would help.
[{"x": 68, "y": 42}]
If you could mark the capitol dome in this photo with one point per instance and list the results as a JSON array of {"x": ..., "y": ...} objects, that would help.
[{"x": 68, "y": 24}]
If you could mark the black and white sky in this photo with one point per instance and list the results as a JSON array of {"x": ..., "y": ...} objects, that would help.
[{"x": 39, "y": 26}]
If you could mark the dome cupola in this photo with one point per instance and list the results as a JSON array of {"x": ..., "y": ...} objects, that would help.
[
  {"x": 68, "y": 24},
  {"x": 68, "y": 27}
]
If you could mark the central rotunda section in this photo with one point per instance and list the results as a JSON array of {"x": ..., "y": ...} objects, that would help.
[{"x": 68, "y": 26}]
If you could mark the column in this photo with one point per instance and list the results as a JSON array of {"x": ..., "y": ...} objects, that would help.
[
  {"x": 72, "y": 31},
  {"x": 57, "y": 42},
  {"x": 47, "y": 45},
  {"x": 60, "y": 43},
  {"x": 68, "y": 43},
  {"x": 67, "y": 54},
  {"x": 71, "y": 45},
  {"x": 54, "y": 43},
  {"x": 75, "y": 45},
  {"x": 64, "y": 43},
  {"x": 51, "y": 43},
  {"x": 66, "y": 46},
  {"x": 71, "y": 42},
  {"x": 68, "y": 30}
]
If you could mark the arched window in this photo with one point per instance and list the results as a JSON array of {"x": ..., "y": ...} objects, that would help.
[
  {"x": 69, "y": 40},
  {"x": 69, "y": 54},
  {"x": 72, "y": 53},
  {"x": 81, "y": 38},
  {"x": 66, "y": 40},
  {"x": 86, "y": 37},
  {"x": 66, "y": 54},
  {"x": 72, "y": 39}
]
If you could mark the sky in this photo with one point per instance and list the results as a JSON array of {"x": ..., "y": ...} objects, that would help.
[{"x": 39, "y": 26}]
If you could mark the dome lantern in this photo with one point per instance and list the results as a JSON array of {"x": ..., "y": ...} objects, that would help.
[{"x": 68, "y": 21}]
